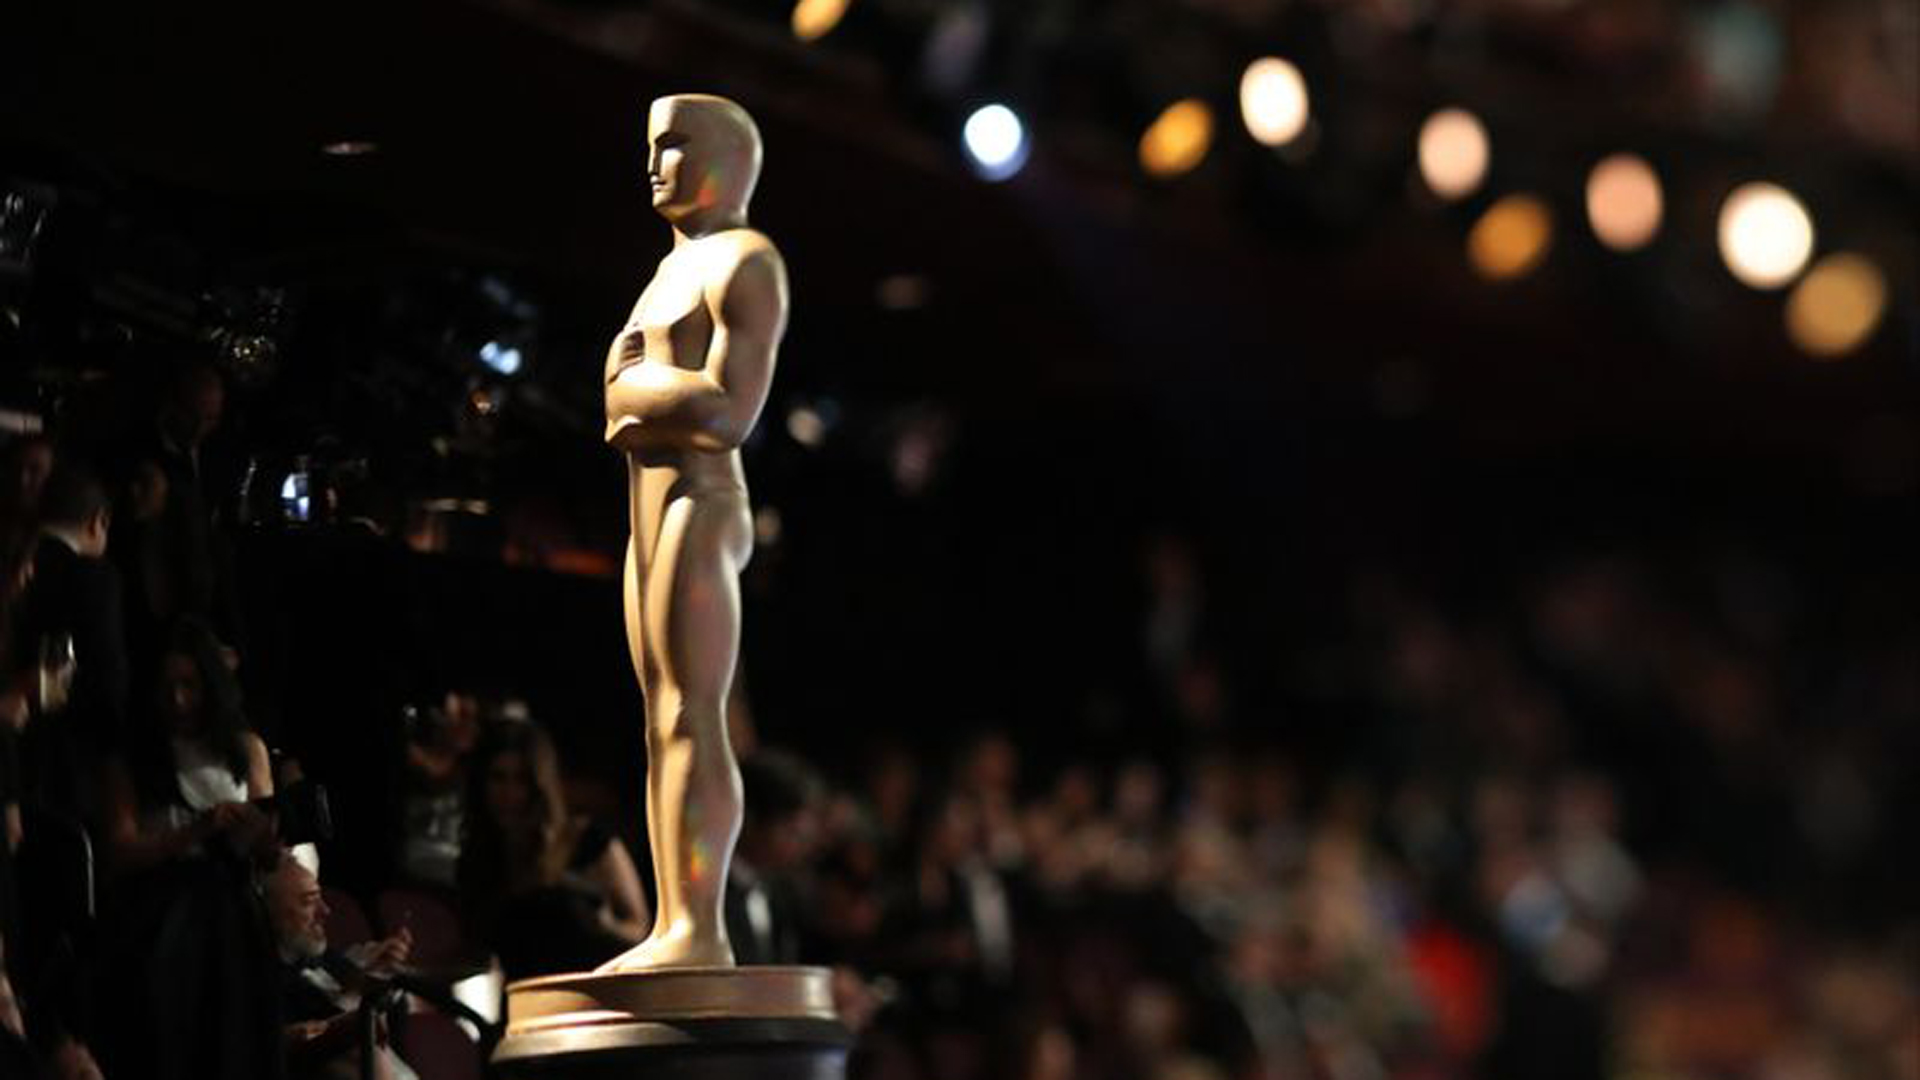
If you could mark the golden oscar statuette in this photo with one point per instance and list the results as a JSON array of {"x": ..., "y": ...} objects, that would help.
[{"x": 686, "y": 379}]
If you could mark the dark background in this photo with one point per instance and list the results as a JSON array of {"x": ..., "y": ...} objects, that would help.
[{"x": 1285, "y": 365}]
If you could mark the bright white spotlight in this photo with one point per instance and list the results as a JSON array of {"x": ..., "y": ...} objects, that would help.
[
  {"x": 1273, "y": 101},
  {"x": 504, "y": 359},
  {"x": 996, "y": 141},
  {"x": 1765, "y": 235}
]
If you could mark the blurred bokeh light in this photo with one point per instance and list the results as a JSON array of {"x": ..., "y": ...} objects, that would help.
[
  {"x": 1178, "y": 141},
  {"x": 768, "y": 526},
  {"x": 1765, "y": 235},
  {"x": 1273, "y": 101},
  {"x": 815, "y": 19},
  {"x": 806, "y": 426},
  {"x": 997, "y": 141},
  {"x": 1453, "y": 153},
  {"x": 1624, "y": 202},
  {"x": 1837, "y": 306},
  {"x": 1511, "y": 239}
]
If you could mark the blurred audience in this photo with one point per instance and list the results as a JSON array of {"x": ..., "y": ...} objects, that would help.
[{"x": 1629, "y": 814}]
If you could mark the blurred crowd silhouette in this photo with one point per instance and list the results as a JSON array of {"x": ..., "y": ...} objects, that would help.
[{"x": 1632, "y": 814}]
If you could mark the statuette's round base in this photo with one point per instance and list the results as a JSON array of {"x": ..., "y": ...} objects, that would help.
[{"x": 739, "y": 1023}]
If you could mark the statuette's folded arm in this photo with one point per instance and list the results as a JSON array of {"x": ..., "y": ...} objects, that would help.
[{"x": 656, "y": 406}]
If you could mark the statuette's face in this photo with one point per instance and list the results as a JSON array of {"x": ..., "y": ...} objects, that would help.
[
  {"x": 703, "y": 155},
  {"x": 667, "y": 154}
]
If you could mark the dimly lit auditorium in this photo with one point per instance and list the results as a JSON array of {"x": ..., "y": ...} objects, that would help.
[{"x": 960, "y": 540}]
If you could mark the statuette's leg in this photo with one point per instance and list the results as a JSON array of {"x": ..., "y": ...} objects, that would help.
[
  {"x": 634, "y": 575},
  {"x": 691, "y": 628}
]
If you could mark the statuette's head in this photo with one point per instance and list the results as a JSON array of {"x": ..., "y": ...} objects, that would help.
[{"x": 703, "y": 159}]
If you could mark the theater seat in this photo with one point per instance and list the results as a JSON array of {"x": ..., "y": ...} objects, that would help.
[
  {"x": 437, "y": 938},
  {"x": 438, "y": 1049}
]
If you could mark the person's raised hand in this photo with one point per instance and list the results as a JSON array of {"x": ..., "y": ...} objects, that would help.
[{"x": 380, "y": 958}]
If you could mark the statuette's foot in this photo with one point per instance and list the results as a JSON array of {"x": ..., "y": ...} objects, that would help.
[{"x": 681, "y": 950}]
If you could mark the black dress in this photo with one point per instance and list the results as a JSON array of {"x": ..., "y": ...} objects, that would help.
[{"x": 556, "y": 928}]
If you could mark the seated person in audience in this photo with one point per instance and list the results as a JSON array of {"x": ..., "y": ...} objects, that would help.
[
  {"x": 320, "y": 992},
  {"x": 546, "y": 890},
  {"x": 764, "y": 904},
  {"x": 439, "y": 751},
  {"x": 190, "y": 770},
  {"x": 186, "y": 973}
]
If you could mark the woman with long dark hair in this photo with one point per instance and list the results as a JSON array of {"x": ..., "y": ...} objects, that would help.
[
  {"x": 191, "y": 767},
  {"x": 547, "y": 890},
  {"x": 188, "y": 972}
]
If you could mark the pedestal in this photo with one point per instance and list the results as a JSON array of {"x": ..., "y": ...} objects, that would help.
[{"x": 740, "y": 1023}]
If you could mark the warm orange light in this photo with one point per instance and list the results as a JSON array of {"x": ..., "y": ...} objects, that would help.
[
  {"x": 1453, "y": 153},
  {"x": 815, "y": 19},
  {"x": 807, "y": 427},
  {"x": 1273, "y": 101},
  {"x": 1765, "y": 235},
  {"x": 1624, "y": 202},
  {"x": 768, "y": 526},
  {"x": 1178, "y": 141},
  {"x": 1511, "y": 238},
  {"x": 1837, "y": 306}
]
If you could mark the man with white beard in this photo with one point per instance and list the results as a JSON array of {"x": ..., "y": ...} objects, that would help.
[{"x": 322, "y": 1023}]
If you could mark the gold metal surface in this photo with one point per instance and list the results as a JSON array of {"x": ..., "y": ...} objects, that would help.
[
  {"x": 582, "y": 1001},
  {"x": 686, "y": 379}
]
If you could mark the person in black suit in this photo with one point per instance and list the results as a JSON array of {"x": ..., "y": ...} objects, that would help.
[
  {"x": 322, "y": 989},
  {"x": 74, "y": 601},
  {"x": 189, "y": 567},
  {"x": 764, "y": 904}
]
